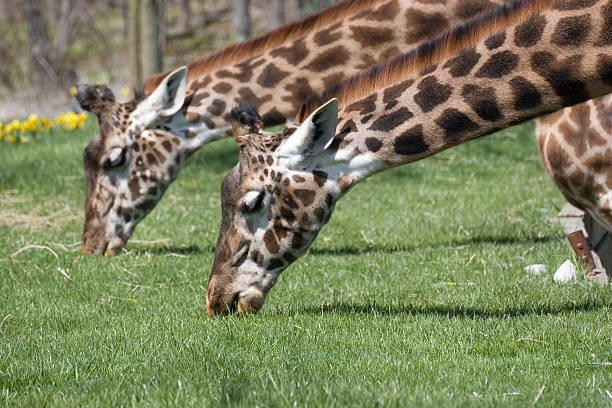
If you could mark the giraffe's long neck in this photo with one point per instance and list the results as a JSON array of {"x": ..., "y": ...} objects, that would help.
[
  {"x": 514, "y": 64},
  {"x": 236, "y": 53},
  {"x": 278, "y": 81}
]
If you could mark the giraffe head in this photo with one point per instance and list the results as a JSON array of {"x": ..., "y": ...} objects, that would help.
[
  {"x": 130, "y": 161},
  {"x": 274, "y": 202}
]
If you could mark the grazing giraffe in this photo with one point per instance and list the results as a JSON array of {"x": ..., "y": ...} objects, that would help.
[
  {"x": 143, "y": 144},
  {"x": 514, "y": 63}
]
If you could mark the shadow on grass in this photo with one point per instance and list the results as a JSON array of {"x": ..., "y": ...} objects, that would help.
[
  {"x": 349, "y": 251},
  {"x": 481, "y": 239},
  {"x": 161, "y": 250},
  {"x": 454, "y": 310}
]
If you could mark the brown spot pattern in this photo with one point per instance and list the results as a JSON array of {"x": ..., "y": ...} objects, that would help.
[
  {"x": 526, "y": 95},
  {"x": 330, "y": 58},
  {"x": 496, "y": 40},
  {"x": 462, "y": 64},
  {"x": 469, "y": 8},
  {"x": 217, "y": 107},
  {"x": 390, "y": 121},
  {"x": 528, "y": 34},
  {"x": 371, "y": 36},
  {"x": 431, "y": 93},
  {"x": 391, "y": 94},
  {"x": 498, "y": 65},
  {"x": 562, "y": 75},
  {"x": 327, "y": 35},
  {"x": 423, "y": 26},
  {"x": 411, "y": 142},
  {"x": 271, "y": 76},
  {"x": 305, "y": 196},
  {"x": 605, "y": 37},
  {"x": 456, "y": 125},
  {"x": 299, "y": 91},
  {"x": 271, "y": 242},
  {"x": 482, "y": 101},
  {"x": 373, "y": 144},
  {"x": 385, "y": 12},
  {"x": 364, "y": 106},
  {"x": 222, "y": 87},
  {"x": 567, "y": 5},
  {"x": 572, "y": 31}
]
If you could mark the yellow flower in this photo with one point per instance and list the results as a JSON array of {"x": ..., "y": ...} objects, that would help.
[
  {"x": 15, "y": 130},
  {"x": 31, "y": 123},
  {"x": 125, "y": 91},
  {"x": 13, "y": 126},
  {"x": 73, "y": 90},
  {"x": 45, "y": 122}
]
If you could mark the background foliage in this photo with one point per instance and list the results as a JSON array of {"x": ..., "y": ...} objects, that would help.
[{"x": 48, "y": 46}]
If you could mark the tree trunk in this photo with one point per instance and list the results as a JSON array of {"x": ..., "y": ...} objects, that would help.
[
  {"x": 152, "y": 34},
  {"x": 125, "y": 13},
  {"x": 185, "y": 21},
  {"x": 134, "y": 44},
  {"x": 277, "y": 13},
  {"x": 41, "y": 67},
  {"x": 242, "y": 19},
  {"x": 300, "y": 5}
]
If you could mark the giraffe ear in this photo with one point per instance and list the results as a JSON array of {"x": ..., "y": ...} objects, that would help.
[
  {"x": 314, "y": 134},
  {"x": 167, "y": 99},
  {"x": 92, "y": 98}
]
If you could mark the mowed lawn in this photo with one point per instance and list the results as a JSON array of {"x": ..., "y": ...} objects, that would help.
[{"x": 413, "y": 294}]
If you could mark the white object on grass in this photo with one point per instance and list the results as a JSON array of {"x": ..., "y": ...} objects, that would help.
[
  {"x": 566, "y": 272},
  {"x": 536, "y": 269}
]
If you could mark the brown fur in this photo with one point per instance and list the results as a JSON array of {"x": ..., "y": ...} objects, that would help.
[
  {"x": 450, "y": 43},
  {"x": 273, "y": 39}
]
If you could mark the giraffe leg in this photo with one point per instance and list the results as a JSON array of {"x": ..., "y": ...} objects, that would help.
[
  {"x": 583, "y": 250},
  {"x": 601, "y": 248},
  {"x": 589, "y": 240}
]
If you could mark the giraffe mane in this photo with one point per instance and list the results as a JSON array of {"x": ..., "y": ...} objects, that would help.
[
  {"x": 240, "y": 51},
  {"x": 448, "y": 44}
]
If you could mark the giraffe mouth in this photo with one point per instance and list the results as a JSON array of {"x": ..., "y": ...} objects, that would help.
[
  {"x": 103, "y": 248},
  {"x": 88, "y": 247},
  {"x": 114, "y": 246},
  {"x": 249, "y": 301}
]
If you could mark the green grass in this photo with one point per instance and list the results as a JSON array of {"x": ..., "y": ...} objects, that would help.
[{"x": 413, "y": 294}]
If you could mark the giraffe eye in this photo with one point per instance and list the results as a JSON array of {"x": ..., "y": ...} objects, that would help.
[
  {"x": 253, "y": 201},
  {"x": 116, "y": 158}
]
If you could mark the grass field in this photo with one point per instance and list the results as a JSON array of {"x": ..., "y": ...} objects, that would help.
[{"x": 413, "y": 294}]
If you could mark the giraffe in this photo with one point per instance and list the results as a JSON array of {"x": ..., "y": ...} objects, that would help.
[
  {"x": 575, "y": 145},
  {"x": 514, "y": 63},
  {"x": 143, "y": 144}
]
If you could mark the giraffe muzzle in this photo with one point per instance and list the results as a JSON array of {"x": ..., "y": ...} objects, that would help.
[
  {"x": 90, "y": 247},
  {"x": 227, "y": 302},
  {"x": 250, "y": 301}
]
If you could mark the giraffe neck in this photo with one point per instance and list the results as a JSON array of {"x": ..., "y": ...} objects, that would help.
[
  {"x": 279, "y": 80},
  {"x": 511, "y": 65},
  {"x": 275, "y": 38}
]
